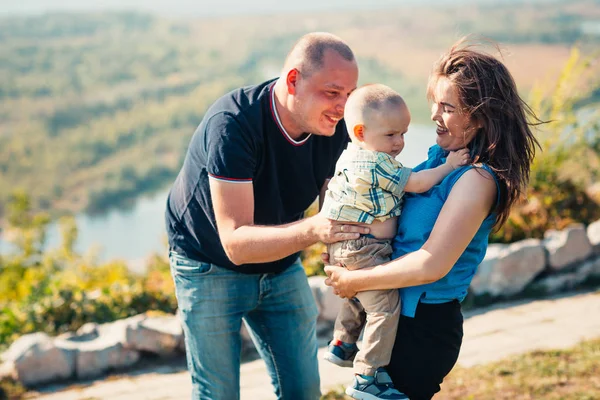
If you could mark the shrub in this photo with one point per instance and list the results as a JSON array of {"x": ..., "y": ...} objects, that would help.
[
  {"x": 569, "y": 161},
  {"x": 59, "y": 291}
]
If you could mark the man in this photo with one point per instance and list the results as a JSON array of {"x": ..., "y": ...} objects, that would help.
[{"x": 259, "y": 158}]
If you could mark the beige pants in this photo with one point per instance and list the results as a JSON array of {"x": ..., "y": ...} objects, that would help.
[{"x": 377, "y": 310}]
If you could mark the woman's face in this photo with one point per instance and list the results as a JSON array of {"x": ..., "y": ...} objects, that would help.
[{"x": 455, "y": 130}]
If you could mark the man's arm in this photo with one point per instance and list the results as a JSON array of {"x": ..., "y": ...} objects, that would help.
[
  {"x": 246, "y": 243},
  {"x": 423, "y": 180}
]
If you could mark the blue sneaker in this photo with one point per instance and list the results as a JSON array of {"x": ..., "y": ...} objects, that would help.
[
  {"x": 375, "y": 387},
  {"x": 341, "y": 353}
]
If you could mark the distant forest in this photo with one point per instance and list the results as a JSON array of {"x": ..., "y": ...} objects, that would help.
[{"x": 98, "y": 108}]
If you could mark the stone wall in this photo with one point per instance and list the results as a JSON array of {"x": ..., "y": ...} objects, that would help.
[{"x": 561, "y": 261}]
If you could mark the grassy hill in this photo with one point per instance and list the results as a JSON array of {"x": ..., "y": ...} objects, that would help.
[{"x": 98, "y": 108}]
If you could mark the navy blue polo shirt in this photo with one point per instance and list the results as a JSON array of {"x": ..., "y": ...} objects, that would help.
[{"x": 241, "y": 139}]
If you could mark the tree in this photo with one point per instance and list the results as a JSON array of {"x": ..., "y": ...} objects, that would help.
[{"x": 27, "y": 229}]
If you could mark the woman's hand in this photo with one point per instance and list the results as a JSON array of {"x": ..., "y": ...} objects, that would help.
[{"x": 338, "y": 279}]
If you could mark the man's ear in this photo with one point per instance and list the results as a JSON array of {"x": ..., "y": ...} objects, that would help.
[
  {"x": 291, "y": 80},
  {"x": 359, "y": 132}
]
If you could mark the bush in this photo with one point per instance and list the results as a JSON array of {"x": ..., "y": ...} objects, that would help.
[
  {"x": 11, "y": 390},
  {"x": 570, "y": 158},
  {"x": 311, "y": 256},
  {"x": 59, "y": 291}
]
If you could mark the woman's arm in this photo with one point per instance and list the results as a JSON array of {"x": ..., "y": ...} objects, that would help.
[{"x": 468, "y": 204}]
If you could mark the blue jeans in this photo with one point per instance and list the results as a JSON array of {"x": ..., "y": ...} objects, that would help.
[{"x": 280, "y": 314}]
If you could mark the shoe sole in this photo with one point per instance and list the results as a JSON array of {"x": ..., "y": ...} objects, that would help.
[
  {"x": 332, "y": 358},
  {"x": 355, "y": 394},
  {"x": 358, "y": 395}
]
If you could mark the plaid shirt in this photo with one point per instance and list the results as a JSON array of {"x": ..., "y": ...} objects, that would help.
[{"x": 367, "y": 185}]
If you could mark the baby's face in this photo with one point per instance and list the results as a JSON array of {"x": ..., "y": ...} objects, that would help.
[{"x": 385, "y": 131}]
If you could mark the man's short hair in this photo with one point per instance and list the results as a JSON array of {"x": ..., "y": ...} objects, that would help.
[{"x": 308, "y": 52}]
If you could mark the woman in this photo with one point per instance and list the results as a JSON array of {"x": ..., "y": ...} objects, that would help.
[{"x": 442, "y": 234}]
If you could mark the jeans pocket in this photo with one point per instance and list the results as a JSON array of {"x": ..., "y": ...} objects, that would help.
[{"x": 184, "y": 266}]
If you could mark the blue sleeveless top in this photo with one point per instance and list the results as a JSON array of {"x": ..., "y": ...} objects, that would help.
[{"x": 420, "y": 211}]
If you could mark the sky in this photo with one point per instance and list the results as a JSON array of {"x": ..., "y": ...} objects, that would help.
[
  {"x": 189, "y": 7},
  {"x": 212, "y": 7}
]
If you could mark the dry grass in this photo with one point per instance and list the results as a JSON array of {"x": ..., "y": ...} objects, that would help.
[{"x": 550, "y": 375}]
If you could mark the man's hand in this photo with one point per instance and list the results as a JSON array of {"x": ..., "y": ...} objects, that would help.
[
  {"x": 330, "y": 231},
  {"x": 458, "y": 158}
]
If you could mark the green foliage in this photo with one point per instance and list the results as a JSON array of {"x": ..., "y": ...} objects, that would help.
[
  {"x": 60, "y": 290},
  {"x": 569, "y": 162},
  {"x": 11, "y": 390},
  {"x": 31, "y": 233},
  {"x": 97, "y": 108},
  {"x": 311, "y": 256}
]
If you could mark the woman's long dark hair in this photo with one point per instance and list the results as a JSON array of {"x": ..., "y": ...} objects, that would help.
[{"x": 487, "y": 93}]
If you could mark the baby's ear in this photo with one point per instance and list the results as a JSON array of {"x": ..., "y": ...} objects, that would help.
[{"x": 359, "y": 132}]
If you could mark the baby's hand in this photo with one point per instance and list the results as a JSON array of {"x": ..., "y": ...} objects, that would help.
[{"x": 458, "y": 158}]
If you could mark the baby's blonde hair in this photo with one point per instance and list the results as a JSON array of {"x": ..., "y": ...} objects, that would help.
[{"x": 369, "y": 101}]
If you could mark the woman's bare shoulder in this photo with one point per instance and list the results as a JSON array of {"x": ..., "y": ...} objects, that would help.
[
  {"x": 479, "y": 170},
  {"x": 477, "y": 183}
]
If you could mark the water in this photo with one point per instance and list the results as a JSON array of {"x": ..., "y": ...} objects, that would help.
[{"x": 134, "y": 233}]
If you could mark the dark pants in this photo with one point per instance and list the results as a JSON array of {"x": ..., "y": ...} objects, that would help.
[{"x": 426, "y": 349}]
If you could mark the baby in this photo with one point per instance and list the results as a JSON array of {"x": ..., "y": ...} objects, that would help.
[{"x": 367, "y": 188}]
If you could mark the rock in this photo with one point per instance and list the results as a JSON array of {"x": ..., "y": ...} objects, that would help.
[
  {"x": 35, "y": 359},
  {"x": 315, "y": 283},
  {"x": 88, "y": 331},
  {"x": 159, "y": 335},
  {"x": 247, "y": 343},
  {"x": 567, "y": 246},
  {"x": 589, "y": 269},
  {"x": 481, "y": 281},
  {"x": 324, "y": 329},
  {"x": 593, "y": 233},
  {"x": 182, "y": 344},
  {"x": 330, "y": 303},
  {"x": 507, "y": 269},
  {"x": 7, "y": 371},
  {"x": 245, "y": 333},
  {"x": 559, "y": 282},
  {"x": 107, "y": 351}
]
